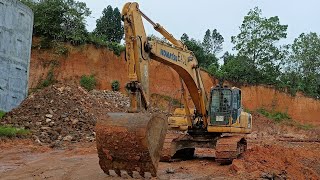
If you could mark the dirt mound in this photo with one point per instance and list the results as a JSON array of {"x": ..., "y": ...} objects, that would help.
[
  {"x": 267, "y": 130},
  {"x": 275, "y": 161},
  {"x": 279, "y": 151},
  {"x": 61, "y": 114}
]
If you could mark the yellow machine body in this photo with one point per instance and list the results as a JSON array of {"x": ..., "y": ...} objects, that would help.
[{"x": 132, "y": 142}]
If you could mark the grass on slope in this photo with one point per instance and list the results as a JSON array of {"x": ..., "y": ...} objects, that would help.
[
  {"x": 8, "y": 131},
  {"x": 284, "y": 118}
]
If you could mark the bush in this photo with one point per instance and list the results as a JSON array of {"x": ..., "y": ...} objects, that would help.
[
  {"x": 276, "y": 116},
  {"x": 88, "y": 82},
  {"x": 60, "y": 49},
  {"x": 8, "y": 131},
  {"x": 49, "y": 79},
  {"x": 279, "y": 116},
  {"x": 115, "y": 85},
  {"x": 116, "y": 48},
  {"x": 45, "y": 43},
  {"x": 306, "y": 126},
  {"x": 99, "y": 42},
  {"x": 2, "y": 114},
  {"x": 247, "y": 110},
  {"x": 285, "y": 119}
]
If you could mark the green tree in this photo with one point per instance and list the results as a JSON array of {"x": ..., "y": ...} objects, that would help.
[
  {"x": 306, "y": 53},
  {"x": 306, "y": 58},
  {"x": 196, "y": 47},
  {"x": 48, "y": 17},
  {"x": 205, "y": 59},
  {"x": 226, "y": 57},
  {"x": 217, "y": 41},
  {"x": 239, "y": 69},
  {"x": 74, "y": 27},
  {"x": 109, "y": 26},
  {"x": 60, "y": 19},
  {"x": 212, "y": 42},
  {"x": 184, "y": 38},
  {"x": 258, "y": 40},
  {"x": 207, "y": 42},
  {"x": 290, "y": 80}
]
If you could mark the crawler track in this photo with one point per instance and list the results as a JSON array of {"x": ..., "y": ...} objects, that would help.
[
  {"x": 229, "y": 148},
  {"x": 167, "y": 151}
]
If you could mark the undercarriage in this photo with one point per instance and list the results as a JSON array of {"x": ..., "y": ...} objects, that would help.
[{"x": 178, "y": 145}]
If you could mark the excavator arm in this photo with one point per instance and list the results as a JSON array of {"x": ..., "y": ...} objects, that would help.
[{"x": 175, "y": 54}]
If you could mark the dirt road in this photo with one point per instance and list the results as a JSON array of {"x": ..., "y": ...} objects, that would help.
[
  {"x": 21, "y": 159},
  {"x": 33, "y": 162}
]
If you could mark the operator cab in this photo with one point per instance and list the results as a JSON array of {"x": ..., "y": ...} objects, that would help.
[{"x": 225, "y": 105}]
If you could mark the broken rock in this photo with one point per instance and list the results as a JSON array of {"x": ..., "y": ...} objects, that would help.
[
  {"x": 68, "y": 138},
  {"x": 49, "y": 116}
]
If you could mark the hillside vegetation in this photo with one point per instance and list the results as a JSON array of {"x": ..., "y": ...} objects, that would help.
[{"x": 258, "y": 58}]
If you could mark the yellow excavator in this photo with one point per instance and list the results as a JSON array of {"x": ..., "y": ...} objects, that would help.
[{"x": 132, "y": 143}]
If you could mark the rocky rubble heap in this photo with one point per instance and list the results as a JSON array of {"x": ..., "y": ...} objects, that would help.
[
  {"x": 113, "y": 101},
  {"x": 60, "y": 114}
]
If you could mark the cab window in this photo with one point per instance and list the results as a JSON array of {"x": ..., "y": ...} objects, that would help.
[{"x": 221, "y": 101}]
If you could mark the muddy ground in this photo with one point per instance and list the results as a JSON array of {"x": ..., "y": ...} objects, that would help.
[
  {"x": 267, "y": 157},
  {"x": 275, "y": 150}
]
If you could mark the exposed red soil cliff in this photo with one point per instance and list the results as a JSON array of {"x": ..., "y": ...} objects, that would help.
[
  {"x": 299, "y": 107},
  {"x": 87, "y": 60}
]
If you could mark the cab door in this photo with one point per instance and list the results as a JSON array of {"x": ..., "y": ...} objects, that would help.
[
  {"x": 221, "y": 106},
  {"x": 236, "y": 105}
]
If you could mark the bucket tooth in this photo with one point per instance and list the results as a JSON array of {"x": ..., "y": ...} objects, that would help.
[{"x": 130, "y": 142}]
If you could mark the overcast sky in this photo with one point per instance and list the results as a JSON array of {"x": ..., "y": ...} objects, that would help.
[{"x": 194, "y": 17}]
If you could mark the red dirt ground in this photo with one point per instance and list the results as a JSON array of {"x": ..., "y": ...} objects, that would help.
[{"x": 271, "y": 154}]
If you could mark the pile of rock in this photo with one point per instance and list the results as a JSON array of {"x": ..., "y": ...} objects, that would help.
[
  {"x": 58, "y": 115},
  {"x": 62, "y": 114},
  {"x": 113, "y": 101}
]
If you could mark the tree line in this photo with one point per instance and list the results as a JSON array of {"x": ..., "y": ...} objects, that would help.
[
  {"x": 258, "y": 57},
  {"x": 65, "y": 20}
]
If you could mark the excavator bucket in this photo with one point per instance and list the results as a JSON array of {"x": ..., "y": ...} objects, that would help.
[{"x": 130, "y": 143}]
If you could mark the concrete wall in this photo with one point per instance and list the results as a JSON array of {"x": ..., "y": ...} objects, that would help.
[{"x": 16, "y": 22}]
